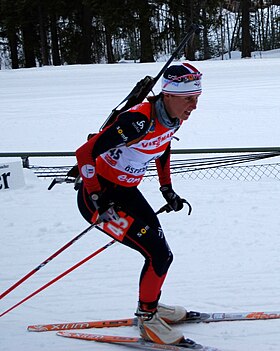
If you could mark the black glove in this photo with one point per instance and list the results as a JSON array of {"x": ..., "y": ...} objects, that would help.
[
  {"x": 174, "y": 201},
  {"x": 104, "y": 207}
]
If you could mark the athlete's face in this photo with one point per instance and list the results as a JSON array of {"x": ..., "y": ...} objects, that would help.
[{"x": 180, "y": 106}]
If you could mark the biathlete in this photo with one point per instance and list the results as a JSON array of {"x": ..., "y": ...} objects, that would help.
[{"x": 112, "y": 164}]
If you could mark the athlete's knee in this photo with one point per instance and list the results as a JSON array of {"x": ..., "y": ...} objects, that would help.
[{"x": 162, "y": 262}]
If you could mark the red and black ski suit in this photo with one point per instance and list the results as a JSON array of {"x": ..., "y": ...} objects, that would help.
[{"x": 114, "y": 161}]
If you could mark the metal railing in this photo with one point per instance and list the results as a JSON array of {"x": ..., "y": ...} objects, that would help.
[
  {"x": 272, "y": 149},
  {"x": 224, "y": 166}
]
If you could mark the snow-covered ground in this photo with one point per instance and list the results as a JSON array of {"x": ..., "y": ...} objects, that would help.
[{"x": 226, "y": 252}]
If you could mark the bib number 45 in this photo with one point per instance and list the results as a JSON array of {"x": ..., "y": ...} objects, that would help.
[{"x": 118, "y": 228}]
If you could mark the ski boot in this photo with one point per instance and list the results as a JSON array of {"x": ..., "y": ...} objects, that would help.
[
  {"x": 177, "y": 314},
  {"x": 155, "y": 329}
]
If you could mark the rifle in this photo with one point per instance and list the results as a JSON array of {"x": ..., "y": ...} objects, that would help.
[
  {"x": 136, "y": 96},
  {"x": 145, "y": 85}
]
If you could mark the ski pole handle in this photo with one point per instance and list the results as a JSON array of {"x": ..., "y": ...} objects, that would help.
[
  {"x": 164, "y": 208},
  {"x": 167, "y": 208}
]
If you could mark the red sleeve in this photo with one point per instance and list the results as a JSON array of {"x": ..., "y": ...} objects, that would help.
[
  {"x": 86, "y": 165},
  {"x": 163, "y": 167},
  {"x": 109, "y": 138}
]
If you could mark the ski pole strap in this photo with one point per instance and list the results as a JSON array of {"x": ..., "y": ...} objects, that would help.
[
  {"x": 189, "y": 206},
  {"x": 167, "y": 208}
]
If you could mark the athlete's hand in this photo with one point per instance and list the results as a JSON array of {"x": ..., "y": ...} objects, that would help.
[
  {"x": 175, "y": 202},
  {"x": 105, "y": 208}
]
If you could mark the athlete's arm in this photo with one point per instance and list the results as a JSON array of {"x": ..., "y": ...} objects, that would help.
[
  {"x": 128, "y": 127},
  {"x": 163, "y": 167}
]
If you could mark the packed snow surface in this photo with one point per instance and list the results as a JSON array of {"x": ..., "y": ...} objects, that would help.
[{"x": 226, "y": 252}]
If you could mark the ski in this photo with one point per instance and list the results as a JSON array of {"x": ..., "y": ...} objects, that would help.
[
  {"x": 204, "y": 318},
  {"x": 238, "y": 316},
  {"x": 111, "y": 323},
  {"x": 136, "y": 342}
]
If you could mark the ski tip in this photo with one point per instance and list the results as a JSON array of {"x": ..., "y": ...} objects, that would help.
[
  {"x": 37, "y": 328},
  {"x": 62, "y": 333}
]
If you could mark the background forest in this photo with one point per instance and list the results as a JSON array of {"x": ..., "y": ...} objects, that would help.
[{"x": 58, "y": 32}]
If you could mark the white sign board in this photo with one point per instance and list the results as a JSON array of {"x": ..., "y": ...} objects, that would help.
[{"x": 11, "y": 176}]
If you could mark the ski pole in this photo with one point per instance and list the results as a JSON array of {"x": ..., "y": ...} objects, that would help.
[
  {"x": 41, "y": 265},
  {"x": 47, "y": 260},
  {"x": 162, "y": 209},
  {"x": 59, "y": 276}
]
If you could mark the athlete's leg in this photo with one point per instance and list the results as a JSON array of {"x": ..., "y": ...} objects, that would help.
[{"x": 145, "y": 235}]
